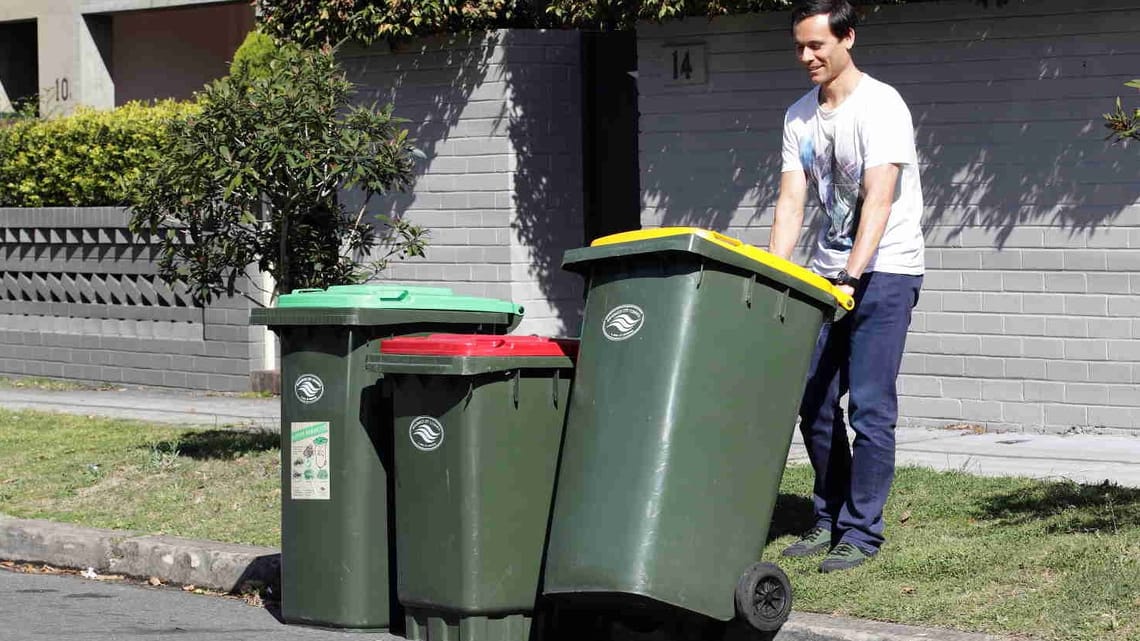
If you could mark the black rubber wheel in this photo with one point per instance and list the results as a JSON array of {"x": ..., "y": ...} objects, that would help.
[{"x": 764, "y": 597}]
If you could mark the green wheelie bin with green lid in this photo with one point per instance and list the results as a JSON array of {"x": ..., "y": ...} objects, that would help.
[
  {"x": 336, "y": 439},
  {"x": 478, "y": 424},
  {"x": 694, "y": 351}
]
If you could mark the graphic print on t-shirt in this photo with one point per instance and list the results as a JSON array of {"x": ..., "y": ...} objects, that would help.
[{"x": 837, "y": 187}]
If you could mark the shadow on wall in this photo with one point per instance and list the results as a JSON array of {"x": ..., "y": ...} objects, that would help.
[
  {"x": 430, "y": 81},
  {"x": 704, "y": 178},
  {"x": 443, "y": 86},
  {"x": 545, "y": 129},
  {"x": 1001, "y": 147},
  {"x": 1053, "y": 168}
]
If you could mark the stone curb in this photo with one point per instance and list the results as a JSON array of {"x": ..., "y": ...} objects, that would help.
[
  {"x": 205, "y": 564},
  {"x": 805, "y": 626},
  {"x": 226, "y": 567}
]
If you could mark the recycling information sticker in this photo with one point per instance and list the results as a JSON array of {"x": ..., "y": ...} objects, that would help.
[{"x": 309, "y": 467}]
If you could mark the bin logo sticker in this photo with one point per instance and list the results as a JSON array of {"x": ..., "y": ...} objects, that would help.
[
  {"x": 623, "y": 322},
  {"x": 309, "y": 388},
  {"x": 426, "y": 433},
  {"x": 309, "y": 456}
]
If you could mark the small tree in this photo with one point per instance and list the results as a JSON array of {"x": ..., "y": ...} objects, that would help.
[
  {"x": 1124, "y": 124},
  {"x": 257, "y": 177}
]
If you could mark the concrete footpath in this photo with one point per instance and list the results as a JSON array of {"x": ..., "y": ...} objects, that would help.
[{"x": 226, "y": 567}]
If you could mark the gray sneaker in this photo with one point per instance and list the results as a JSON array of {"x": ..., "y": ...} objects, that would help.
[
  {"x": 815, "y": 541},
  {"x": 844, "y": 557}
]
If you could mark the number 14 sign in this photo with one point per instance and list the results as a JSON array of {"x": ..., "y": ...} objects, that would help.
[{"x": 685, "y": 64}]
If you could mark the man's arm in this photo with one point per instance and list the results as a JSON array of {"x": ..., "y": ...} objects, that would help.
[
  {"x": 879, "y": 192},
  {"x": 789, "y": 218}
]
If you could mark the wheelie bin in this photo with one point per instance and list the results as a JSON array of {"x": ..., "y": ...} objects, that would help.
[
  {"x": 478, "y": 424},
  {"x": 336, "y": 440},
  {"x": 694, "y": 351}
]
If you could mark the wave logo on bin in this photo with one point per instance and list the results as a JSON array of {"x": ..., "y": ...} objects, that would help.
[
  {"x": 426, "y": 433},
  {"x": 309, "y": 388},
  {"x": 623, "y": 322}
]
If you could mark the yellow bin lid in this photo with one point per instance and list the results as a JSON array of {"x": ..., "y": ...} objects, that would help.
[{"x": 732, "y": 244}]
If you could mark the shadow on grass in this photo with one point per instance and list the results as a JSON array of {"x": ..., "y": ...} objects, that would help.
[
  {"x": 219, "y": 444},
  {"x": 1070, "y": 507},
  {"x": 793, "y": 515}
]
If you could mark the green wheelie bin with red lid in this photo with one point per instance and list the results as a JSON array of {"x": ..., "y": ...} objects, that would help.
[{"x": 478, "y": 426}]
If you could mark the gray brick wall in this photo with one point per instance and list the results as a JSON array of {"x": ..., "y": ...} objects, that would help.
[
  {"x": 1028, "y": 319},
  {"x": 79, "y": 299},
  {"x": 500, "y": 187}
]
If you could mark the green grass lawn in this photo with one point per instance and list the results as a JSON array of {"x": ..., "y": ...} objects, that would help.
[
  {"x": 213, "y": 484},
  {"x": 1054, "y": 560},
  {"x": 1057, "y": 561}
]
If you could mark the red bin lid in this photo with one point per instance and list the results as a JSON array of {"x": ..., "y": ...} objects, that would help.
[{"x": 480, "y": 345}]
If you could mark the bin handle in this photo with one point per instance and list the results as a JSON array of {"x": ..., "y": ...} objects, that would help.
[
  {"x": 781, "y": 310},
  {"x": 399, "y": 294},
  {"x": 721, "y": 238}
]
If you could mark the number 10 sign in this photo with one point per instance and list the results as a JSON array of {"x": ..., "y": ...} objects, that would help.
[{"x": 685, "y": 64}]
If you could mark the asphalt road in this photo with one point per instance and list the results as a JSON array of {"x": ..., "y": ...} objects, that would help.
[{"x": 37, "y": 607}]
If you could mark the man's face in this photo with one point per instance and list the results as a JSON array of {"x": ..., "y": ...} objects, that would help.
[{"x": 824, "y": 55}]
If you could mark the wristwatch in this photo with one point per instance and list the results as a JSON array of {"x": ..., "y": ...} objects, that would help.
[{"x": 843, "y": 278}]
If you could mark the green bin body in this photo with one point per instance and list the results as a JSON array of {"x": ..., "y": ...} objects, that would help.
[
  {"x": 336, "y": 440},
  {"x": 692, "y": 364},
  {"x": 478, "y": 426}
]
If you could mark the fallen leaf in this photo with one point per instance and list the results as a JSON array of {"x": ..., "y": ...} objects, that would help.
[
  {"x": 189, "y": 588},
  {"x": 905, "y": 517},
  {"x": 908, "y": 589},
  {"x": 154, "y": 580}
]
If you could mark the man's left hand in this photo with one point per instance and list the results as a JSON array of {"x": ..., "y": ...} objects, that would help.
[{"x": 846, "y": 289}]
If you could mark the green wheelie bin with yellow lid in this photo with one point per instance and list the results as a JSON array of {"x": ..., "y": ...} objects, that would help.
[{"x": 692, "y": 361}]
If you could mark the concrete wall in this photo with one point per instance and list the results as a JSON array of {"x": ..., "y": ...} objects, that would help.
[
  {"x": 1028, "y": 319},
  {"x": 79, "y": 299},
  {"x": 500, "y": 185},
  {"x": 161, "y": 54}
]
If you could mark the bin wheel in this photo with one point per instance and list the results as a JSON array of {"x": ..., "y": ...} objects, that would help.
[{"x": 764, "y": 596}]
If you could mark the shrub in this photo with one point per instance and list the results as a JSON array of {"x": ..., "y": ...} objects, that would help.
[
  {"x": 256, "y": 179},
  {"x": 254, "y": 55},
  {"x": 84, "y": 159}
]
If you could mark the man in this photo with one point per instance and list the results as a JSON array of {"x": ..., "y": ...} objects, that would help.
[{"x": 849, "y": 143}]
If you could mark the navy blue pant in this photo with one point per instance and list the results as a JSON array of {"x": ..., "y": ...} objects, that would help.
[{"x": 859, "y": 355}]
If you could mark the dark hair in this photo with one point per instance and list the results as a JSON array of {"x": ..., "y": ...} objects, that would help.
[{"x": 841, "y": 16}]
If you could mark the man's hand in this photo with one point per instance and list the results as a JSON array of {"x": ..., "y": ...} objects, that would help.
[{"x": 846, "y": 289}]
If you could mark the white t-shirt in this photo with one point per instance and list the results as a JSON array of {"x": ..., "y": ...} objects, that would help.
[{"x": 872, "y": 127}]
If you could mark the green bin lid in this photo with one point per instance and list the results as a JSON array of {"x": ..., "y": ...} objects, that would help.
[
  {"x": 386, "y": 305},
  {"x": 393, "y": 297}
]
